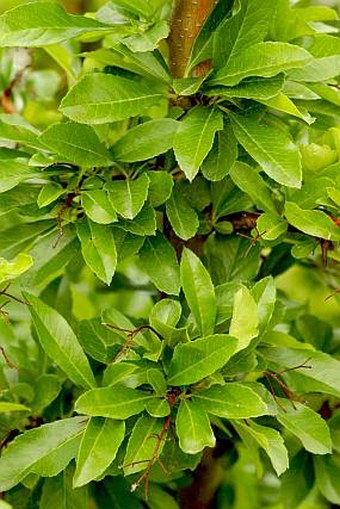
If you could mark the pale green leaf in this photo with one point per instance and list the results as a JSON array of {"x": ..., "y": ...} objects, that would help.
[
  {"x": 91, "y": 101},
  {"x": 269, "y": 439},
  {"x": 128, "y": 196},
  {"x": 38, "y": 24},
  {"x": 183, "y": 218},
  {"x": 158, "y": 259},
  {"x": 256, "y": 88},
  {"x": 264, "y": 59},
  {"x": 142, "y": 444},
  {"x": 158, "y": 407},
  {"x": 98, "y": 207},
  {"x": 271, "y": 148},
  {"x": 76, "y": 143},
  {"x": 264, "y": 294},
  {"x": 146, "y": 140},
  {"x": 231, "y": 401},
  {"x": 7, "y": 406},
  {"x": 59, "y": 342},
  {"x": 271, "y": 226},
  {"x": 49, "y": 193},
  {"x": 200, "y": 358},
  {"x": 327, "y": 473},
  {"x": 15, "y": 128},
  {"x": 199, "y": 291},
  {"x": 117, "y": 402},
  {"x": 98, "y": 448},
  {"x": 160, "y": 188},
  {"x": 148, "y": 40},
  {"x": 281, "y": 102},
  {"x": 244, "y": 321},
  {"x": 12, "y": 270},
  {"x": 307, "y": 425},
  {"x": 193, "y": 427},
  {"x": 312, "y": 222},
  {"x": 195, "y": 137},
  {"x": 45, "y": 450},
  {"x": 98, "y": 249},
  {"x": 250, "y": 181}
]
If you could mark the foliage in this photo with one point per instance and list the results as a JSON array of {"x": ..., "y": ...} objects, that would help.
[{"x": 146, "y": 227}]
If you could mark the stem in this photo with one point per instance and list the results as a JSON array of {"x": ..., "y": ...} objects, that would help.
[{"x": 187, "y": 19}]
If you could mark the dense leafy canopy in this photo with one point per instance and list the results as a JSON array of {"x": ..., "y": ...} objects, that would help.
[{"x": 161, "y": 237}]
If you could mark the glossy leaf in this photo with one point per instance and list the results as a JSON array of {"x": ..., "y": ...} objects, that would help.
[
  {"x": 59, "y": 342},
  {"x": 264, "y": 59},
  {"x": 39, "y": 23},
  {"x": 313, "y": 222},
  {"x": 222, "y": 155},
  {"x": 272, "y": 149},
  {"x": 251, "y": 88},
  {"x": 193, "y": 427},
  {"x": 307, "y": 426},
  {"x": 268, "y": 439},
  {"x": 199, "y": 291},
  {"x": 98, "y": 249},
  {"x": 13, "y": 269},
  {"x": 182, "y": 216},
  {"x": 157, "y": 381},
  {"x": 76, "y": 143},
  {"x": 195, "y": 137},
  {"x": 160, "y": 187},
  {"x": 7, "y": 406},
  {"x": 200, "y": 358},
  {"x": 231, "y": 401},
  {"x": 98, "y": 207},
  {"x": 142, "y": 444},
  {"x": 90, "y": 100},
  {"x": 146, "y": 140},
  {"x": 271, "y": 226},
  {"x": 264, "y": 294},
  {"x": 114, "y": 402},
  {"x": 250, "y": 181},
  {"x": 46, "y": 451},
  {"x": 98, "y": 448},
  {"x": 158, "y": 259},
  {"x": 128, "y": 196},
  {"x": 244, "y": 321}
]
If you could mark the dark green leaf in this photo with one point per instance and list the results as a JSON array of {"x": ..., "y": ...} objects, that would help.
[{"x": 182, "y": 216}]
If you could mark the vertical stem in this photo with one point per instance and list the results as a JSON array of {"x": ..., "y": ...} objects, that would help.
[{"x": 187, "y": 18}]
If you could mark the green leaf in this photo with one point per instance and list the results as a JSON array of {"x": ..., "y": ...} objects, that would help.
[
  {"x": 269, "y": 439},
  {"x": 158, "y": 259},
  {"x": 114, "y": 402},
  {"x": 271, "y": 226},
  {"x": 307, "y": 425},
  {"x": 281, "y": 102},
  {"x": 146, "y": 140},
  {"x": 251, "y": 88},
  {"x": 49, "y": 193},
  {"x": 312, "y": 222},
  {"x": 13, "y": 127},
  {"x": 199, "y": 291},
  {"x": 160, "y": 188},
  {"x": 271, "y": 148},
  {"x": 193, "y": 427},
  {"x": 164, "y": 317},
  {"x": 143, "y": 443},
  {"x": 183, "y": 218},
  {"x": 157, "y": 381},
  {"x": 90, "y": 100},
  {"x": 244, "y": 322},
  {"x": 264, "y": 59},
  {"x": 158, "y": 407},
  {"x": 222, "y": 156},
  {"x": 143, "y": 224},
  {"x": 39, "y": 24},
  {"x": 148, "y": 40},
  {"x": 128, "y": 196},
  {"x": 264, "y": 294},
  {"x": 59, "y": 342},
  {"x": 322, "y": 374},
  {"x": 327, "y": 473},
  {"x": 231, "y": 401},
  {"x": 46, "y": 389},
  {"x": 139, "y": 7},
  {"x": 60, "y": 490},
  {"x": 98, "y": 448},
  {"x": 250, "y": 181},
  {"x": 7, "y": 406},
  {"x": 246, "y": 28},
  {"x": 76, "y": 143},
  {"x": 98, "y": 249},
  {"x": 98, "y": 207},
  {"x": 14, "y": 269},
  {"x": 200, "y": 358},
  {"x": 45, "y": 451},
  {"x": 298, "y": 481},
  {"x": 195, "y": 137},
  {"x": 13, "y": 171}
]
